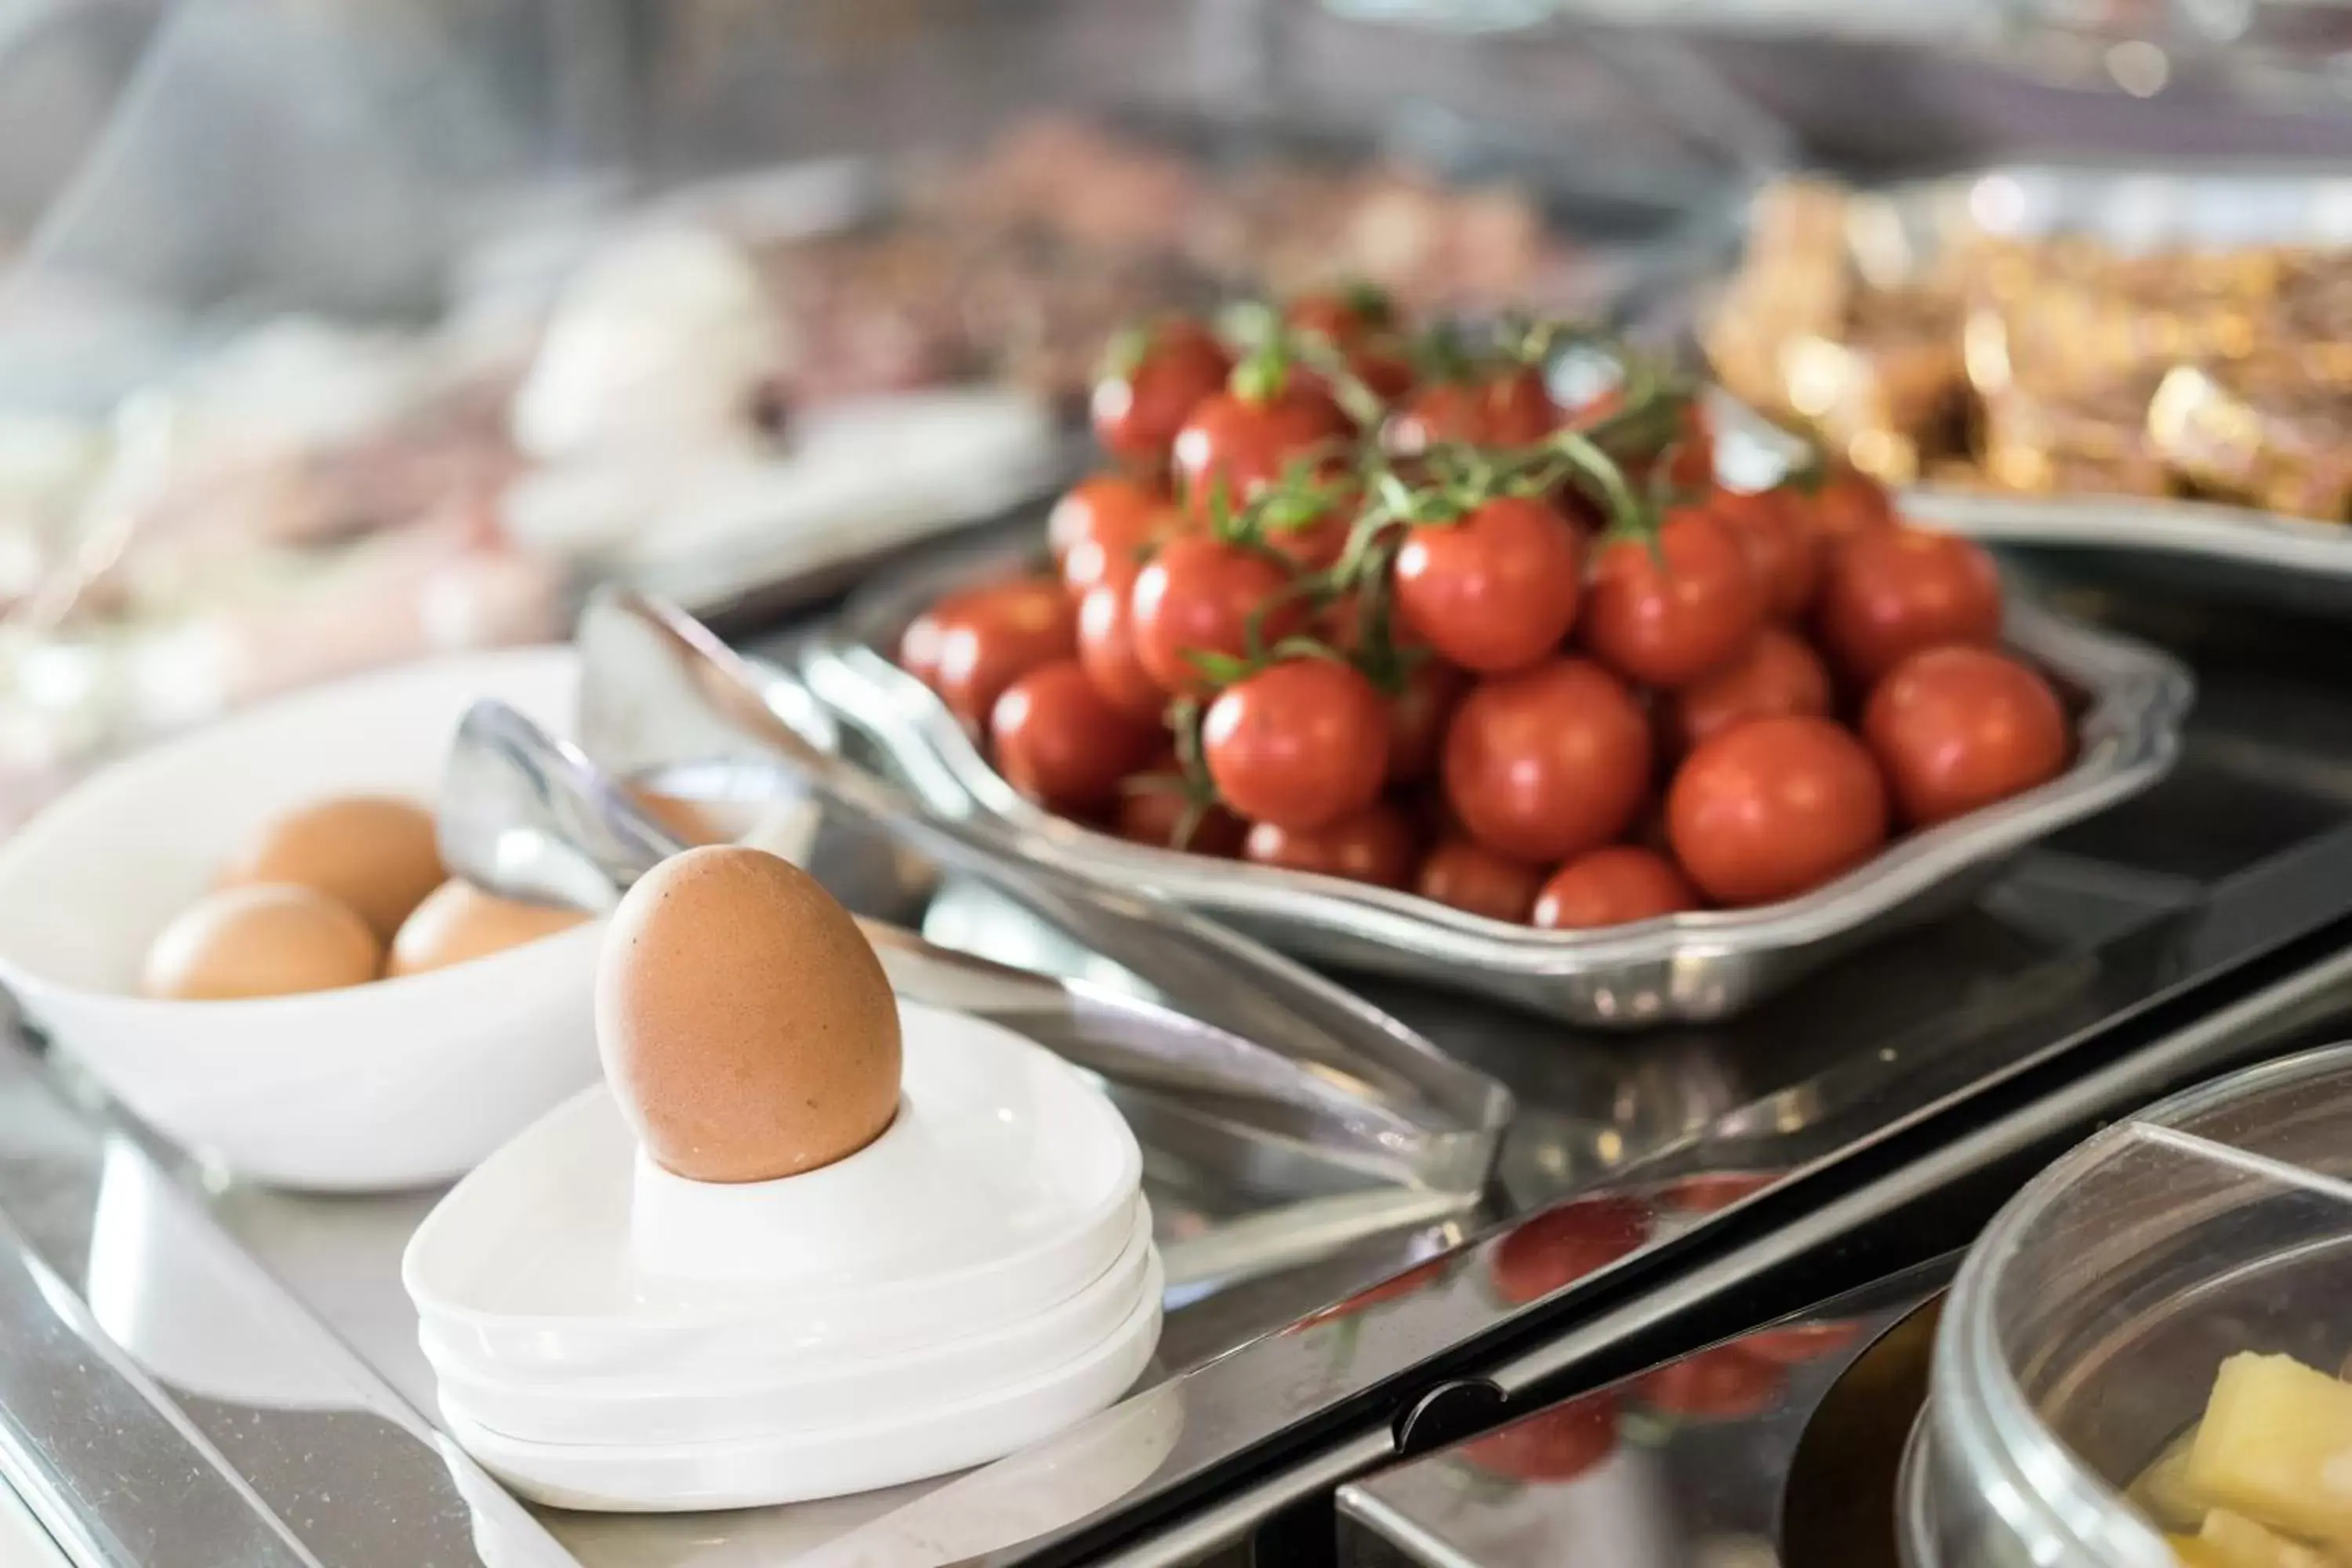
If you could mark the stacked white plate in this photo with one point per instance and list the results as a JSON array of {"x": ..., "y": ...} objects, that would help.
[{"x": 609, "y": 1336}]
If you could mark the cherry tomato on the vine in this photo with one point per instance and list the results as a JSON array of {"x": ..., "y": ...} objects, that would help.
[
  {"x": 1775, "y": 807},
  {"x": 1197, "y": 595},
  {"x": 1107, "y": 653},
  {"x": 1374, "y": 845},
  {"x": 1299, "y": 745},
  {"x": 1152, "y": 809},
  {"x": 1780, "y": 675},
  {"x": 1057, "y": 741},
  {"x": 1150, "y": 384},
  {"x": 1238, "y": 443},
  {"x": 1889, "y": 592},
  {"x": 1503, "y": 407},
  {"x": 1785, "y": 551},
  {"x": 1668, "y": 612},
  {"x": 1846, "y": 502},
  {"x": 991, "y": 637},
  {"x": 1344, "y": 316},
  {"x": 1495, "y": 589},
  {"x": 1101, "y": 528},
  {"x": 1467, "y": 875},
  {"x": 1616, "y": 884},
  {"x": 1548, "y": 762},
  {"x": 1959, "y": 728},
  {"x": 1418, "y": 716}
]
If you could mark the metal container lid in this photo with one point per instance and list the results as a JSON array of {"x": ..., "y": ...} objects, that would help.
[{"x": 2085, "y": 1334}]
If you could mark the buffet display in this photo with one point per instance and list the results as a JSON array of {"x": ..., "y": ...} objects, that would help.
[{"x": 1122, "y": 1026}]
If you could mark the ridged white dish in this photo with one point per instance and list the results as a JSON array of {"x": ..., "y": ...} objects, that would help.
[
  {"x": 1019, "y": 1191},
  {"x": 749, "y": 1472},
  {"x": 824, "y": 1391}
]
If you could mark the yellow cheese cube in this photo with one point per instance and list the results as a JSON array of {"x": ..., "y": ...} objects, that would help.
[
  {"x": 2276, "y": 1447},
  {"x": 2233, "y": 1541}
]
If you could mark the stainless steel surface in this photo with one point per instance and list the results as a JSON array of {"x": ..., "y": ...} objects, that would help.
[
  {"x": 163, "y": 1400},
  {"x": 1777, "y": 1447},
  {"x": 648, "y": 670},
  {"x": 1684, "y": 968},
  {"x": 1329, "y": 1162}
]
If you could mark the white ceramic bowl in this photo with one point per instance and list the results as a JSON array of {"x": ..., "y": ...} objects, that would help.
[{"x": 395, "y": 1084}]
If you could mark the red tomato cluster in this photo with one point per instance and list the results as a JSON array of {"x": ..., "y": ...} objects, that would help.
[{"x": 1337, "y": 611}]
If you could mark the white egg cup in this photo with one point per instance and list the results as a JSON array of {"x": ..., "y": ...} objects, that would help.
[{"x": 608, "y": 1334}]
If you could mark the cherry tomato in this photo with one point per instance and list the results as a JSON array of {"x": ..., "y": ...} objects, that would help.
[
  {"x": 1666, "y": 614},
  {"x": 1107, "y": 653},
  {"x": 1299, "y": 745},
  {"x": 1959, "y": 728},
  {"x": 1507, "y": 408},
  {"x": 1198, "y": 595},
  {"x": 1785, "y": 551},
  {"x": 1150, "y": 385},
  {"x": 1103, "y": 527},
  {"x": 1718, "y": 1384},
  {"x": 1418, "y": 717},
  {"x": 1493, "y": 590},
  {"x": 1779, "y": 675},
  {"x": 1467, "y": 875},
  {"x": 1373, "y": 845},
  {"x": 1775, "y": 807},
  {"x": 918, "y": 644},
  {"x": 1234, "y": 445},
  {"x": 1057, "y": 741},
  {"x": 1151, "y": 810},
  {"x": 1797, "y": 1343},
  {"x": 1314, "y": 543},
  {"x": 1547, "y": 762},
  {"x": 1565, "y": 1243},
  {"x": 1845, "y": 503},
  {"x": 1555, "y": 1445},
  {"x": 1614, "y": 884},
  {"x": 991, "y": 638},
  {"x": 1346, "y": 316},
  {"x": 1889, "y": 592},
  {"x": 1691, "y": 459}
]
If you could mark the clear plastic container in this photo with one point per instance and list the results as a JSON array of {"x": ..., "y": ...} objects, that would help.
[{"x": 2083, "y": 1336}]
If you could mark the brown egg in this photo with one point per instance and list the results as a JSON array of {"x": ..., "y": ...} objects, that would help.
[
  {"x": 376, "y": 856},
  {"x": 262, "y": 940},
  {"x": 745, "y": 1024},
  {"x": 459, "y": 922}
]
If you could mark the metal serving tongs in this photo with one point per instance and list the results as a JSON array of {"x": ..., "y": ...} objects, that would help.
[{"x": 1358, "y": 1124}]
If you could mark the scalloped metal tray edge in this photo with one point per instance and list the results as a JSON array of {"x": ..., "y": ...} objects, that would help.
[{"x": 1680, "y": 969}]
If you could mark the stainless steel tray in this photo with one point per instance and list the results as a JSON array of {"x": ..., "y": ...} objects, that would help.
[{"x": 1683, "y": 968}]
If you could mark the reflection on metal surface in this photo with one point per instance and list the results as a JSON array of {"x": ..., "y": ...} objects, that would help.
[
  {"x": 1777, "y": 1447},
  {"x": 286, "y": 1448},
  {"x": 1684, "y": 968}
]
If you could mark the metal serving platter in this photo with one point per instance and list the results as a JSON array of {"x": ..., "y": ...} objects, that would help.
[{"x": 1683, "y": 968}]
